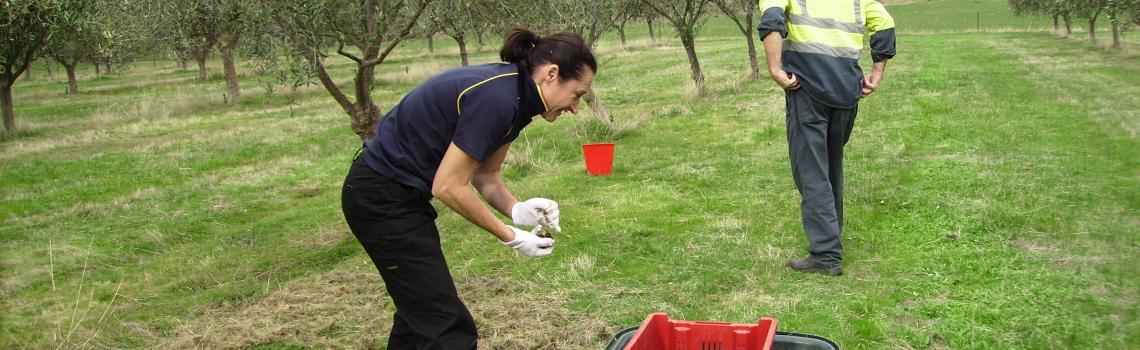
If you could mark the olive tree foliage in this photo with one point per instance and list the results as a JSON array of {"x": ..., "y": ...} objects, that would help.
[
  {"x": 233, "y": 20},
  {"x": 1117, "y": 10},
  {"x": 743, "y": 13},
  {"x": 628, "y": 10},
  {"x": 1091, "y": 11},
  {"x": 687, "y": 17},
  {"x": 1057, "y": 9},
  {"x": 364, "y": 32},
  {"x": 25, "y": 27},
  {"x": 1122, "y": 14},
  {"x": 75, "y": 40},
  {"x": 1134, "y": 12},
  {"x": 96, "y": 32},
  {"x": 193, "y": 30}
]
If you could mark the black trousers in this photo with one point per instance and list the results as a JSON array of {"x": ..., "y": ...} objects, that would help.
[
  {"x": 396, "y": 225},
  {"x": 816, "y": 136}
]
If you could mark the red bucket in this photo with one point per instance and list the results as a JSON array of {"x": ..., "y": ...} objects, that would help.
[{"x": 599, "y": 158}]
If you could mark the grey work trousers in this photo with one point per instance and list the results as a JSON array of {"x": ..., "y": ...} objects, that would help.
[{"x": 816, "y": 136}]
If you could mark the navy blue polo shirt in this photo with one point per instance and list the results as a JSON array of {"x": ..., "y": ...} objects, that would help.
[{"x": 479, "y": 108}]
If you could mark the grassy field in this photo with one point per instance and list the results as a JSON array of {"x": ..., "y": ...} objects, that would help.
[{"x": 993, "y": 203}]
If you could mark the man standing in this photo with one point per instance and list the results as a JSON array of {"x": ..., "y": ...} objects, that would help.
[{"x": 813, "y": 49}]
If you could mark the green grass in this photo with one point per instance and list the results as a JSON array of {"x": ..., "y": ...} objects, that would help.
[
  {"x": 961, "y": 15},
  {"x": 992, "y": 204}
]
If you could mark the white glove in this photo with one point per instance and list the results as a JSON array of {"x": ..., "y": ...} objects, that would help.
[
  {"x": 536, "y": 211},
  {"x": 530, "y": 245}
]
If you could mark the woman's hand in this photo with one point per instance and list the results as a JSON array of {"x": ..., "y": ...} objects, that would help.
[
  {"x": 535, "y": 212},
  {"x": 529, "y": 245}
]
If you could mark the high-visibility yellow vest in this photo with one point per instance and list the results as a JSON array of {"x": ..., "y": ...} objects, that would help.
[
  {"x": 823, "y": 40},
  {"x": 830, "y": 27}
]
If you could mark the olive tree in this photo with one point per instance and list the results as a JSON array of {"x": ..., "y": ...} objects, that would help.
[
  {"x": 459, "y": 19},
  {"x": 686, "y": 16},
  {"x": 743, "y": 13},
  {"x": 25, "y": 27},
  {"x": 365, "y": 32},
  {"x": 75, "y": 40}
]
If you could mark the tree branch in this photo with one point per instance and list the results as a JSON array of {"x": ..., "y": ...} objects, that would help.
[
  {"x": 403, "y": 34},
  {"x": 723, "y": 5},
  {"x": 340, "y": 50},
  {"x": 658, "y": 9},
  {"x": 330, "y": 85}
]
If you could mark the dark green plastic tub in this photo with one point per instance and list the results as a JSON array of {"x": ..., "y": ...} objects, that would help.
[{"x": 783, "y": 341}]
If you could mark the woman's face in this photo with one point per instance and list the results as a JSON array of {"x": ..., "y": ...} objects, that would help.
[{"x": 562, "y": 95}]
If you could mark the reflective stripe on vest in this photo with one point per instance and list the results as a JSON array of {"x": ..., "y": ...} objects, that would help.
[
  {"x": 826, "y": 35},
  {"x": 828, "y": 23},
  {"x": 841, "y": 52}
]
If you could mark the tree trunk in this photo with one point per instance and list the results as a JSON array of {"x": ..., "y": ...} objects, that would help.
[
  {"x": 1092, "y": 29},
  {"x": 98, "y": 73},
  {"x": 47, "y": 67},
  {"x": 1115, "y": 30},
  {"x": 72, "y": 82},
  {"x": 480, "y": 48},
  {"x": 752, "y": 58},
  {"x": 462, "y": 41},
  {"x": 652, "y": 36},
  {"x": 694, "y": 64},
  {"x": 621, "y": 33},
  {"x": 108, "y": 66},
  {"x": 431, "y": 46},
  {"x": 1056, "y": 24},
  {"x": 598, "y": 107},
  {"x": 233, "y": 90},
  {"x": 6, "y": 104},
  {"x": 182, "y": 63},
  {"x": 1068, "y": 24},
  {"x": 28, "y": 72},
  {"x": 366, "y": 112},
  {"x": 202, "y": 73}
]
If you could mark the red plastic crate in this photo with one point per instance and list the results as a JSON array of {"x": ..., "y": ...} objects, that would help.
[{"x": 658, "y": 332}]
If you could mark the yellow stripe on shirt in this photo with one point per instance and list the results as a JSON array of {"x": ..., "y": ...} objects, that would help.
[{"x": 460, "y": 98}]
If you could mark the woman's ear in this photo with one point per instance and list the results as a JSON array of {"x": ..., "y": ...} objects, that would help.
[{"x": 552, "y": 72}]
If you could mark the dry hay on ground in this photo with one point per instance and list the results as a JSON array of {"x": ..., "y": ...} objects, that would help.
[{"x": 349, "y": 308}]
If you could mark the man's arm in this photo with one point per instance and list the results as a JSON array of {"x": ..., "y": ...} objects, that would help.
[
  {"x": 882, "y": 27},
  {"x": 772, "y": 30},
  {"x": 451, "y": 186},
  {"x": 773, "y": 51}
]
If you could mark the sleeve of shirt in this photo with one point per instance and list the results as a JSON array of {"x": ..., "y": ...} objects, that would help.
[
  {"x": 882, "y": 28},
  {"x": 772, "y": 18},
  {"x": 485, "y": 116}
]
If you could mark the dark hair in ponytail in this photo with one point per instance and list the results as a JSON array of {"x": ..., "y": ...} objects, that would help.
[{"x": 567, "y": 50}]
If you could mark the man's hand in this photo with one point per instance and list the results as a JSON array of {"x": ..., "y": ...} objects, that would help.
[
  {"x": 537, "y": 211},
  {"x": 870, "y": 83},
  {"x": 530, "y": 245},
  {"x": 786, "y": 80}
]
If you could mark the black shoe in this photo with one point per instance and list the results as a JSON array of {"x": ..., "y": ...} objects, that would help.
[{"x": 806, "y": 265}]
